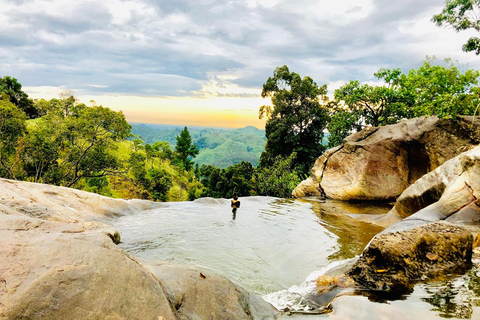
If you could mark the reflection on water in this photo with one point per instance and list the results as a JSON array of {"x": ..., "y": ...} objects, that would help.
[
  {"x": 274, "y": 245},
  {"x": 353, "y": 235},
  {"x": 271, "y": 245},
  {"x": 457, "y": 297}
]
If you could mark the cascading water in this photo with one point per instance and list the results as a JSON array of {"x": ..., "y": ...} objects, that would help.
[
  {"x": 304, "y": 298},
  {"x": 273, "y": 245}
]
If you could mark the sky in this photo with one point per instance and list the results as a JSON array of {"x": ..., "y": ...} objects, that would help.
[{"x": 204, "y": 62}]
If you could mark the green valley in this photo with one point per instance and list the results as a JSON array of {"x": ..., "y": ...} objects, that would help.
[{"x": 220, "y": 147}]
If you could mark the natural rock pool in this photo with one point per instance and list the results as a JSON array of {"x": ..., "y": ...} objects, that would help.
[{"x": 274, "y": 245}]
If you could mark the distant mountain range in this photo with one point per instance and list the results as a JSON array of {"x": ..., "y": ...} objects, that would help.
[{"x": 221, "y": 147}]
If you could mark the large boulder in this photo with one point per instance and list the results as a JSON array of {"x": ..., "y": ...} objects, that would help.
[
  {"x": 429, "y": 231},
  {"x": 395, "y": 260},
  {"x": 199, "y": 295},
  {"x": 380, "y": 163},
  {"x": 59, "y": 260},
  {"x": 451, "y": 192},
  {"x": 53, "y": 270}
]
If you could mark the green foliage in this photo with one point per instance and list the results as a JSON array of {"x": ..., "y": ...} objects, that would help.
[
  {"x": 87, "y": 135},
  {"x": 375, "y": 105},
  {"x": 11, "y": 88},
  {"x": 218, "y": 147},
  {"x": 74, "y": 142},
  {"x": 461, "y": 15},
  {"x": 224, "y": 183},
  {"x": 12, "y": 129},
  {"x": 42, "y": 151},
  {"x": 278, "y": 180},
  {"x": 98, "y": 185},
  {"x": 439, "y": 90},
  {"x": 137, "y": 166},
  {"x": 159, "y": 183},
  {"x": 340, "y": 126},
  {"x": 297, "y": 120},
  {"x": 185, "y": 149},
  {"x": 86, "y": 147}
]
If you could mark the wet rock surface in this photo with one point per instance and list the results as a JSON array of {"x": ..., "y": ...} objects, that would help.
[
  {"x": 396, "y": 260},
  {"x": 430, "y": 231}
]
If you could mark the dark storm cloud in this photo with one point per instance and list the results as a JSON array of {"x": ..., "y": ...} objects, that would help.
[{"x": 173, "y": 47}]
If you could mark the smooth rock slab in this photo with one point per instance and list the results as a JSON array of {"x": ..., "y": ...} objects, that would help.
[
  {"x": 451, "y": 192},
  {"x": 199, "y": 295},
  {"x": 58, "y": 260},
  {"x": 51, "y": 270}
]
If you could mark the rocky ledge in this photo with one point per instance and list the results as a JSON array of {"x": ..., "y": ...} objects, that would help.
[
  {"x": 380, "y": 163},
  {"x": 431, "y": 231},
  {"x": 59, "y": 260}
]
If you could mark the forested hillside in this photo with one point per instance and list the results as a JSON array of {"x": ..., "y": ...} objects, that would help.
[
  {"x": 65, "y": 142},
  {"x": 218, "y": 146}
]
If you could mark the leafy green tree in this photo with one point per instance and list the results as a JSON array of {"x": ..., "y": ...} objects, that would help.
[
  {"x": 214, "y": 181},
  {"x": 462, "y": 15},
  {"x": 277, "y": 180},
  {"x": 439, "y": 90},
  {"x": 163, "y": 150},
  {"x": 432, "y": 89},
  {"x": 41, "y": 152},
  {"x": 341, "y": 124},
  {"x": 13, "y": 89},
  {"x": 12, "y": 129},
  {"x": 136, "y": 164},
  {"x": 81, "y": 140},
  {"x": 159, "y": 149},
  {"x": 159, "y": 182},
  {"x": 98, "y": 185},
  {"x": 297, "y": 120},
  {"x": 375, "y": 105},
  {"x": 137, "y": 143},
  {"x": 240, "y": 179},
  {"x": 224, "y": 183},
  {"x": 185, "y": 149},
  {"x": 89, "y": 134}
]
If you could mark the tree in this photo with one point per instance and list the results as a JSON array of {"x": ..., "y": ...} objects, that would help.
[
  {"x": 89, "y": 134},
  {"x": 185, "y": 149},
  {"x": 462, "y": 15},
  {"x": 439, "y": 90},
  {"x": 444, "y": 91},
  {"x": 41, "y": 152},
  {"x": 297, "y": 120},
  {"x": 13, "y": 89},
  {"x": 64, "y": 148},
  {"x": 341, "y": 124},
  {"x": 159, "y": 182},
  {"x": 12, "y": 129},
  {"x": 224, "y": 183},
  {"x": 278, "y": 180},
  {"x": 240, "y": 179},
  {"x": 376, "y": 105}
]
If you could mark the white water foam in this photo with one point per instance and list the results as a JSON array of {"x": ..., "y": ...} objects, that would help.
[{"x": 302, "y": 297}]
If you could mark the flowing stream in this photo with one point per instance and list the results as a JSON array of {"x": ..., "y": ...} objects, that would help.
[{"x": 276, "y": 248}]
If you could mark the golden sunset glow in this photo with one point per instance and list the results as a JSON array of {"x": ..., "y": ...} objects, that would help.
[{"x": 211, "y": 111}]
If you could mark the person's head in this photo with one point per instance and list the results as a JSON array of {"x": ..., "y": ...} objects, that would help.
[{"x": 235, "y": 197}]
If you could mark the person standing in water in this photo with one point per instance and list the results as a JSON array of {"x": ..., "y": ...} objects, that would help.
[{"x": 235, "y": 204}]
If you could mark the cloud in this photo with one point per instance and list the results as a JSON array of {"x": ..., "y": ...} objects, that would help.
[{"x": 213, "y": 47}]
